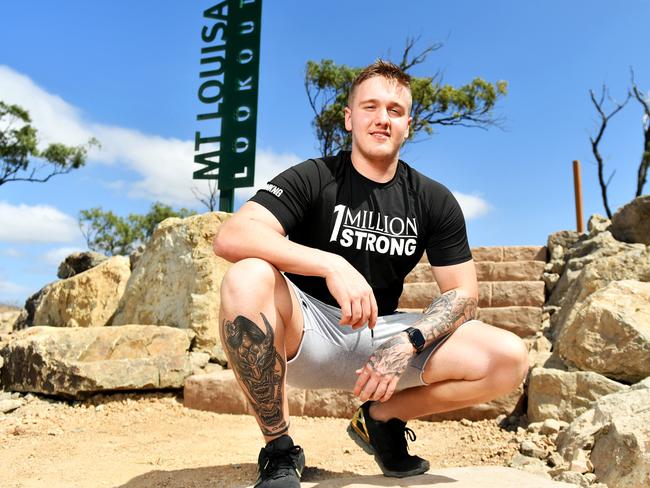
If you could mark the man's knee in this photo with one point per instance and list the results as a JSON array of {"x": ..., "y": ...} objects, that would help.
[
  {"x": 248, "y": 276},
  {"x": 513, "y": 359}
]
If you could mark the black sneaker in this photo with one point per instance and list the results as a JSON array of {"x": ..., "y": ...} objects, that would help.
[
  {"x": 280, "y": 464},
  {"x": 387, "y": 442}
]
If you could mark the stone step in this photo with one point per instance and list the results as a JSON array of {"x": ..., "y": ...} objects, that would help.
[
  {"x": 487, "y": 271},
  {"x": 523, "y": 321},
  {"x": 219, "y": 392},
  {"x": 505, "y": 253},
  {"x": 491, "y": 294}
]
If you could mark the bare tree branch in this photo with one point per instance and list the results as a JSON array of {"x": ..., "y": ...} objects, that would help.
[
  {"x": 604, "y": 119},
  {"x": 642, "y": 174},
  {"x": 210, "y": 199}
]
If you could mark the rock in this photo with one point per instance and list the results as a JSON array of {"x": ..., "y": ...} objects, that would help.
[
  {"x": 551, "y": 427},
  {"x": 631, "y": 223},
  {"x": 530, "y": 449},
  {"x": 219, "y": 392},
  {"x": 563, "y": 395},
  {"x": 177, "y": 281},
  {"x": 617, "y": 432},
  {"x": 465, "y": 477},
  {"x": 558, "y": 244},
  {"x": 597, "y": 224},
  {"x": 135, "y": 256},
  {"x": 621, "y": 453},
  {"x": 630, "y": 264},
  {"x": 8, "y": 321},
  {"x": 73, "y": 363},
  {"x": 573, "y": 477},
  {"x": 88, "y": 299},
  {"x": 78, "y": 262},
  {"x": 610, "y": 332},
  {"x": 7, "y": 406},
  {"x": 530, "y": 464}
]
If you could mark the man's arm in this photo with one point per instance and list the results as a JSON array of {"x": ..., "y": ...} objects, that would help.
[
  {"x": 456, "y": 305},
  {"x": 253, "y": 231}
]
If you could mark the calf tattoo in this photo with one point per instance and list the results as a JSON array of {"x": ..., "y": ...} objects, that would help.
[{"x": 260, "y": 370}]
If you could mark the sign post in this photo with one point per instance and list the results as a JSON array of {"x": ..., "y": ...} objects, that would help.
[{"x": 230, "y": 88}]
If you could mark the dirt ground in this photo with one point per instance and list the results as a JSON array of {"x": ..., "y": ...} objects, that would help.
[{"x": 152, "y": 441}]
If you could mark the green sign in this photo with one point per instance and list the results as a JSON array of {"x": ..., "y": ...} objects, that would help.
[{"x": 230, "y": 72}]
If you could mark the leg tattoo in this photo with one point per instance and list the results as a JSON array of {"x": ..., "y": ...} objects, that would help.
[{"x": 260, "y": 370}]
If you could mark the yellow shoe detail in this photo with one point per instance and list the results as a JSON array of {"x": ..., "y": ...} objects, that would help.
[{"x": 359, "y": 425}]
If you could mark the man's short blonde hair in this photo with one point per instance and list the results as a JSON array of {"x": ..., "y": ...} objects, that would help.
[{"x": 386, "y": 69}]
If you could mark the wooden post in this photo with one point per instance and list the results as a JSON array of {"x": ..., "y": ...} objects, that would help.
[{"x": 577, "y": 186}]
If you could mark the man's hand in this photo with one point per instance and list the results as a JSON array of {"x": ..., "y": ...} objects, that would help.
[
  {"x": 378, "y": 378},
  {"x": 352, "y": 292}
]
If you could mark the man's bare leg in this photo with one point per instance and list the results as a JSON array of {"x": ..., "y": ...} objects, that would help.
[
  {"x": 260, "y": 325},
  {"x": 476, "y": 364}
]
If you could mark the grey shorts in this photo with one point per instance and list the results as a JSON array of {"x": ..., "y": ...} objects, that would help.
[{"x": 329, "y": 354}]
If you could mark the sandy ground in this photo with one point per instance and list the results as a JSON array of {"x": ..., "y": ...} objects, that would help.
[{"x": 152, "y": 441}]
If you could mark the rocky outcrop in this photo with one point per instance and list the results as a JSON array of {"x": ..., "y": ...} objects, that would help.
[
  {"x": 177, "y": 281},
  {"x": 631, "y": 223},
  {"x": 8, "y": 321},
  {"x": 88, "y": 299},
  {"x": 78, "y": 262},
  {"x": 563, "y": 395},
  {"x": 612, "y": 439},
  {"x": 609, "y": 333},
  {"x": 77, "y": 362},
  {"x": 629, "y": 264}
]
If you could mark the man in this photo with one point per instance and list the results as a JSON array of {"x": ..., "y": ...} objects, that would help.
[{"x": 318, "y": 309}]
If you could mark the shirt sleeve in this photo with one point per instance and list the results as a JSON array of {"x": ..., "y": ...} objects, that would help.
[
  {"x": 290, "y": 195},
  {"x": 447, "y": 242}
]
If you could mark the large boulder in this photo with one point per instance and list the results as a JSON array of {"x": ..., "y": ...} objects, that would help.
[
  {"x": 588, "y": 249},
  {"x": 564, "y": 395},
  {"x": 77, "y": 362},
  {"x": 615, "y": 435},
  {"x": 631, "y": 223},
  {"x": 78, "y": 262},
  {"x": 630, "y": 264},
  {"x": 88, "y": 299},
  {"x": 177, "y": 281},
  {"x": 610, "y": 332}
]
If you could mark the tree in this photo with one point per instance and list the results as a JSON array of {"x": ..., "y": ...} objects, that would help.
[
  {"x": 434, "y": 103},
  {"x": 642, "y": 174},
  {"x": 22, "y": 160},
  {"x": 209, "y": 199},
  {"x": 112, "y": 235},
  {"x": 599, "y": 104}
]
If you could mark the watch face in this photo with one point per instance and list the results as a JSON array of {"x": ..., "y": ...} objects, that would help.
[{"x": 416, "y": 337}]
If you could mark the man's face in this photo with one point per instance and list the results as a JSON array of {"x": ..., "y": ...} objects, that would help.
[{"x": 378, "y": 117}]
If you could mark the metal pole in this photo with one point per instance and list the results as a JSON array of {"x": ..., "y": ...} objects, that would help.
[
  {"x": 226, "y": 200},
  {"x": 577, "y": 186}
]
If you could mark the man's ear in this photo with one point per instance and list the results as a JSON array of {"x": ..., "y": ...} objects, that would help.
[
  {"x": 348, "y": 113},
  {"x": 408, "y": 129}
]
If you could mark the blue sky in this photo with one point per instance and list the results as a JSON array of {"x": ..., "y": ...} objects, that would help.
[{"x": 127, "y": 74}]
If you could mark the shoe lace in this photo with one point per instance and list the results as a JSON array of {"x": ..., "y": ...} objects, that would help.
[
  {"x": 401, "y": 434},
  {"x": 278, "y": 462}
]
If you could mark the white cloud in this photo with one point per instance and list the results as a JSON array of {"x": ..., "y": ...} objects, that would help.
[
  {"x": 165, "y": 165},
  {"x": 54, "y": 257},
  {"x": 472, "y": 205},
  {"x": 11, "y": 252},
  {"x": 38, "y": 223},
  {"x": 12, "y": 292}
]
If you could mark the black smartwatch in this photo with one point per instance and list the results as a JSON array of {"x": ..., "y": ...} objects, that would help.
[{"x": 416, "y": 338}]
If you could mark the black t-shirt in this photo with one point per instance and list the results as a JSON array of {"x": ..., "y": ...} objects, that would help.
[{"x": 382, "y": 229}]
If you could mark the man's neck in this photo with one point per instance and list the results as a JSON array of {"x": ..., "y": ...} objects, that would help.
[{"x": 377, "y": 170}]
